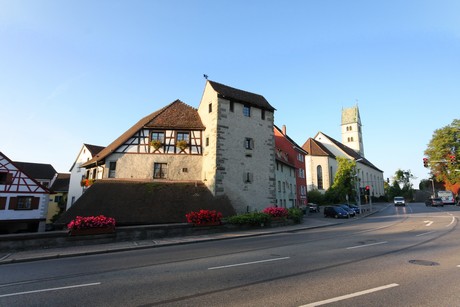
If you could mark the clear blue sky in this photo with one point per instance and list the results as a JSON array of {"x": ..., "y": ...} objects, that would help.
[{"x": 74, "y": 72}]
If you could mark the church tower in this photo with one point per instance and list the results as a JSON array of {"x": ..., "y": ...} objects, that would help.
[{"x": 351, "y": 130}]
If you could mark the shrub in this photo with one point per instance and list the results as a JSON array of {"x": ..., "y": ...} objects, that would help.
[
  {"x": 295, "y": 214},
  {"x": 276, "y": 211},
  {"x": 253, "y": 218},
  {"x": 316, "y": 197},
  {"x": 204, "y": 217},
  {"x": 86, "y": 222}
]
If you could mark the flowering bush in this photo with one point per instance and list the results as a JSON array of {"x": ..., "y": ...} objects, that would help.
[
  {"x": 276, "y": 211},
  {"x": 87, "y": 182},
  {"x": 156, "y": 144},
  {"x": 85, "y": 222},
  {"x": 204, "y": 216}
]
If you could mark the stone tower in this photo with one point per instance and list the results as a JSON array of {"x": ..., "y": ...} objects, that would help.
[{"x": 352, "y": 135}]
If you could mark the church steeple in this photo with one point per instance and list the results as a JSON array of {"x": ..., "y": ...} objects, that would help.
[{"x": 351, "y": 129}]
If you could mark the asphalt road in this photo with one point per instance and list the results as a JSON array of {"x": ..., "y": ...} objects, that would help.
[{"x": 405, "y": 256}]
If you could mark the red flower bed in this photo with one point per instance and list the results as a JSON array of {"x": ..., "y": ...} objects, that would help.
[
  {"x": 204, "y": 217},
  {"x": 87, "y": 222},
  {"x": 276, "y": 211}
]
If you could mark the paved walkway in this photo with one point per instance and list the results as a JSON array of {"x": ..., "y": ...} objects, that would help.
[{"x": 311, "y": 220}]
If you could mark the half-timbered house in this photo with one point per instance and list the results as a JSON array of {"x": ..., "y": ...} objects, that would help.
[
  {"x": 23, "y": 200},
  {"x": 165, "y": 145}
]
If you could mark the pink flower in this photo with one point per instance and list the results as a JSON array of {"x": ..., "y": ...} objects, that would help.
[
  {"x": 81, "y": 222},
  {"x": 276, "y": 211}
]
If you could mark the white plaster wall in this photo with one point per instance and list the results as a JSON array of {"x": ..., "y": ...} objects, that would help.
[
  {"x": 76, "y": 175},
  {"x": 286, "y": 174},
  {"x": 39, "y": 213}
]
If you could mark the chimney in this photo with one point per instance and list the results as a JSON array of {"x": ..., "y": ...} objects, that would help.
[{"x": 284, "y": 129}]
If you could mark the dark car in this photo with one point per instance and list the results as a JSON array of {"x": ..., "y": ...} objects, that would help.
[
  {"x": 435, "y": 202},
  {"x": 354, "y": 207},
  {"x": 335, "y": 212},
  {"x": 347, "y": 208}
]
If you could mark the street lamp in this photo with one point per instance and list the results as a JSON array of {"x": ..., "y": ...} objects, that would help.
[{"x": 358, "y": 192}]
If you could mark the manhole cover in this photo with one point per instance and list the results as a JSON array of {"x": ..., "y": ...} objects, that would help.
[{"x": 423, "y": 262}]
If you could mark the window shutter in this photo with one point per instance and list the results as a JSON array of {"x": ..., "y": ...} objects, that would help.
[
  {"x": 2, "y": 203},
  {"x": 13, "y": 203},
  {"x": 252, "y": 143},
  {"x": 35, "y": 202},
  {"x": 9, "y": 178}
]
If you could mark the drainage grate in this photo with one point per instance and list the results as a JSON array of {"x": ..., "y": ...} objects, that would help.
[{"x": 424, "y": 262}]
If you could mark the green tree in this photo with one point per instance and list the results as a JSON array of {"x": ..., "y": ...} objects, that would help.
[
  {"x": 402, "y": 185},
  {"x": 344, "y": 181},
  {"x": 442, "y": 149}
]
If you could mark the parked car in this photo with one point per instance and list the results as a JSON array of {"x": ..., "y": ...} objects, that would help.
[
  {"x": 313, "y": 207},
  {"x": 435, "y": 202},
  {"x": 350, "y": 211},
  {"x": 355, "y": 208},
  {"x": 335, "y": 212},
  {"x": 399, "y": 201}
]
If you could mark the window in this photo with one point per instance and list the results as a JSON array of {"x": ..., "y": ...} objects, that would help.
[
  {"x": 262, "y": 114},
  {"x": 300, "y": 157},
  {"x": 248, "y": 177},
  {"x": 158, "y": 136},
  {"x": 112, "y": 168},
  {"x": 248, "y": 143},
  {"x": 210, "y": 107},
  {"x": 301, "y": 173},
  {"x": 247, "y": 111},
  {"x": 207, "y": 141},
  {"x": 183, "y": 136},
  {"x": 160, "y": 170},
  {"x": 231, "y": 106},
  {"x": 6, "y": 178},
  {"x": 319, "y": 177},
  {"x": 279, "y": 186},
  {"x": 284, "y": 187},
  {"x": 2, "y": 203},
  {"x": 24, "y": 203}
]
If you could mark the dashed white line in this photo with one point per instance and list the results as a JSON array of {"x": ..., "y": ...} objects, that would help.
[
  {"x": 344, "y": 297},
  {"x": 51, "y": 289},
  {"x": 247, "y": 263},
  {"x": 366, "y": 245},
  {"x": 425, "y": 233}
]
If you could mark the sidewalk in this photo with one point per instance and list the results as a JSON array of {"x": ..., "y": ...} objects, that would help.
[{"x": 311, "y": 220}]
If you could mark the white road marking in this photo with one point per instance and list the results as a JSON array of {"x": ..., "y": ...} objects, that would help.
[
  {"x": 451, "y": 222},
  {"x": 247, "y": 263},
  {"x": 50, "y": 289},
  {"x": 344, "y": 297},
  {"x": 366, "y": 245},
  {"x": 5, "y": 257},
  {"x": 425, "y": 233},
  {"x": 428, "y": 223}
]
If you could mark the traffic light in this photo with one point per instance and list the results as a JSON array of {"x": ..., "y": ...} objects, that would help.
[
  {"x": 425, "y": 162},
  {"x": 452, "y": 159},
  {"x": 368, "y": 190}
]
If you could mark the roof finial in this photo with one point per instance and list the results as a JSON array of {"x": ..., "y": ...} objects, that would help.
[{"x": 205, "y": 76}]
